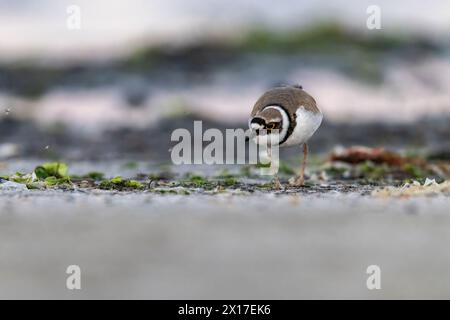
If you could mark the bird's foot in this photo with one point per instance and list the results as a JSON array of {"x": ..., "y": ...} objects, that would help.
[
  {"x": 297, "y": 181},
  {"x": 277, "y": 184}
]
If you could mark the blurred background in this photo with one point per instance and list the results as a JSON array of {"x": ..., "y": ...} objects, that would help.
[{"x": 136, "y": 70}]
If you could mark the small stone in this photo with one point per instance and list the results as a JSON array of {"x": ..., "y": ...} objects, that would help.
[
  {"x": 85, "y": 184},
  {"x": 429, "y": 182},
  {"x": 12, "y": 186}
]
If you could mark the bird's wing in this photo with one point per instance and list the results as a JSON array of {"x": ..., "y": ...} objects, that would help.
[{"x": 289, "y": 98}]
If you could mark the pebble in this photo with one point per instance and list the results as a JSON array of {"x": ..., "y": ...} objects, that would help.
[{"x": 11, "y": 186}]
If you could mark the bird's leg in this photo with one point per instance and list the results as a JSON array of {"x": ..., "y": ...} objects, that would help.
[
  {"x": 300, "y": 180},
  {"x": 276, "y": 181}
]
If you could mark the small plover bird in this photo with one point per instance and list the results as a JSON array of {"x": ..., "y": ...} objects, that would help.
[{"x": 294, "y": 115}]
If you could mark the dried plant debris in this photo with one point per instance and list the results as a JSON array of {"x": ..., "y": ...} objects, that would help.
[
  {"x": 378, "y": 164},
  {"x": 429, "y": 188},
  {"x": 359, "y": 154}
]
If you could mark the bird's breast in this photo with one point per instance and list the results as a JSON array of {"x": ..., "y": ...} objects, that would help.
[{"x": 306, "y": 123}]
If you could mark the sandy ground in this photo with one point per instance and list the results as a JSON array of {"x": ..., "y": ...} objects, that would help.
[{"x": 223, "y": 246}]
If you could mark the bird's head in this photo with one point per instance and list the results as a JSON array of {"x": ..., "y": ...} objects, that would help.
[{"x": 269, "y": 123}]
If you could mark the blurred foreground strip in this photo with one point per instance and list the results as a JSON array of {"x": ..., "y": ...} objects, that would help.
[{"x": 429, "y": 188}]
